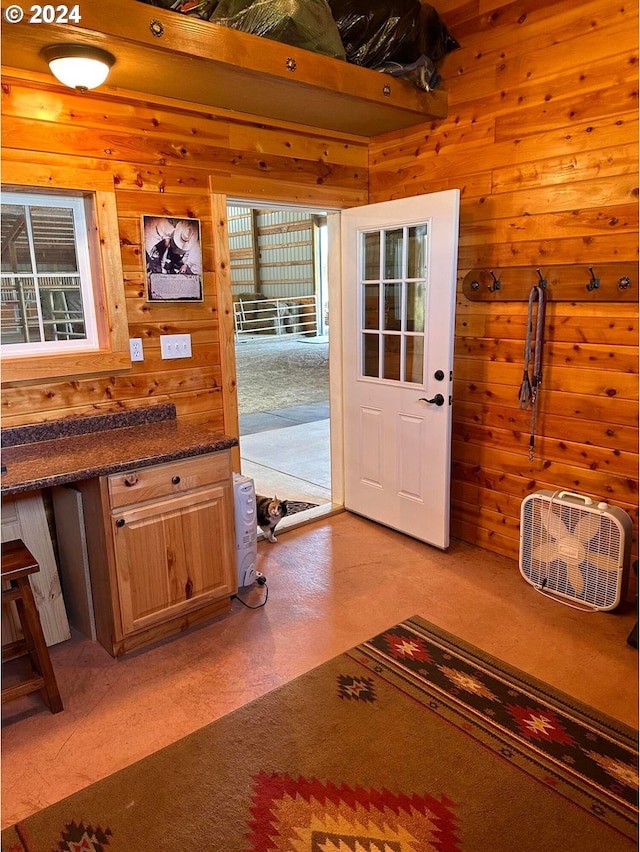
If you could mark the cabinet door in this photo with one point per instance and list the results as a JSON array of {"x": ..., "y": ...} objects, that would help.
[{"x": 173, "y": 556}]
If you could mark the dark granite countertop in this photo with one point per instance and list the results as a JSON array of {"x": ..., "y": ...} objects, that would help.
[{"x": 65, "y": 451}]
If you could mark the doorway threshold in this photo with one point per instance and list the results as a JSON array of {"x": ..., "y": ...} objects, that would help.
[
  {"x": 271, "y": 482},
  {"x": 301, "y": 519}
]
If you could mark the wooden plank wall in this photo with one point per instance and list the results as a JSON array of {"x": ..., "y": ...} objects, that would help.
[
  {"x": 159, "y": 157},
  {"x": 542, "y": 140}
]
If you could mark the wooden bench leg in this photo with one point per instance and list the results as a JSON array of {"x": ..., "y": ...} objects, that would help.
[{"x": 38, "y": 651}]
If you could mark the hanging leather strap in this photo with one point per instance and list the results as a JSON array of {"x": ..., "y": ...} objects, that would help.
[{"x": 528, "y": 394}]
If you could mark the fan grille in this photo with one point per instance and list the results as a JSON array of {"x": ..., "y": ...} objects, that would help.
[{"x": 584, "y": 567}]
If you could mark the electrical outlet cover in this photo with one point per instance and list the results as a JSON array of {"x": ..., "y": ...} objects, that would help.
[{"x": 135, "y": 348}]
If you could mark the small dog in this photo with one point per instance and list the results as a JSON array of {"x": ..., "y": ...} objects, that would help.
[{"x": 269, "y": 511}]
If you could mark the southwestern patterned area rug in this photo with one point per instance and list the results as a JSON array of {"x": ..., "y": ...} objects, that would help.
[{"x": 412, "y": 742}]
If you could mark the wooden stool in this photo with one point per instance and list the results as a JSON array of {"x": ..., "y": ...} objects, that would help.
[{"x": 17, "y": 564}]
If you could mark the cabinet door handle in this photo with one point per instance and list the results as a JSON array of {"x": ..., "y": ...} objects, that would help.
[
  {"x": 120, "y": 522},
  {"x": 130, "y": 479},
  {"x": 175, "y": 480}
]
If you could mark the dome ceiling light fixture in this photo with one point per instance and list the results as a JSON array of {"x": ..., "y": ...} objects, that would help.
[{"x": 79, "y": 66}]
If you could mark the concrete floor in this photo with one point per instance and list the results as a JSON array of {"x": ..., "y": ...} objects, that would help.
[
  {"x": 286, "y": 452},
  {"x": 332, "y": 584}
]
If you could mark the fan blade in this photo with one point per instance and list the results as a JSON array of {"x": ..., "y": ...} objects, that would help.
[
  {"x": 587, "y": 528},
  {"x": 575, "y": 577},
  {"x": 543, "y": 553},
  {"x": 602, "y": 561},
  {"x": 554, "y": 525}
]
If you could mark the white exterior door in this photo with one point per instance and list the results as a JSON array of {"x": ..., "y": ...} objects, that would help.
[{"x": 399, "y": 262}]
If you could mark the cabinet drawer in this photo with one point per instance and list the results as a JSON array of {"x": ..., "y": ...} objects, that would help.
[{"x": 171, "y": 478}]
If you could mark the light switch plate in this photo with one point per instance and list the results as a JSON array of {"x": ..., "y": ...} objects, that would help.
[{"x": 175, "y": 346}]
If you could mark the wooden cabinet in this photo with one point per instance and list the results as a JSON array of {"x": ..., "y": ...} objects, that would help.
[{"x": 162, "y": 552}]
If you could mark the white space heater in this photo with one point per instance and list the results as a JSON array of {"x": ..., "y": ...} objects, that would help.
[
  {"x": 575, "y": 549},
  {"x": 244, "y": 498}
]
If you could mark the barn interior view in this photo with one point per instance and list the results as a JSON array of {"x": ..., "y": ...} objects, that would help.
[{"x": 281, "y": 327}]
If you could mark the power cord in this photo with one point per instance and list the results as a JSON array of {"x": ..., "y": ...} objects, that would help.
[{"x": 261, "y": 580}]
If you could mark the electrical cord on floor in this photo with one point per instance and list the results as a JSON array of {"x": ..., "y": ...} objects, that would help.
[{"x": 261, "y": 580}]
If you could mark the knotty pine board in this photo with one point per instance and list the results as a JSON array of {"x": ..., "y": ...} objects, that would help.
[{"x": 541, "y": 138}]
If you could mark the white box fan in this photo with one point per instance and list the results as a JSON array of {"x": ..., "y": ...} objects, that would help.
[{"x": 574, "y": 549}]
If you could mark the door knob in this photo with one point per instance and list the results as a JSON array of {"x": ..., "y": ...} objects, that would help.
[{"x": 438, "y": 399}]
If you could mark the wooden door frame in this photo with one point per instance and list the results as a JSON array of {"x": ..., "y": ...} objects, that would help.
[
  {"x": 228, "y": 372},
  {"x": 336, "y": 400},
  {"x": 228, "y": 367}
]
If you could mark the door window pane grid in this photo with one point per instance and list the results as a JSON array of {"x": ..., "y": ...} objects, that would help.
[{"x": 393, "y": 287}]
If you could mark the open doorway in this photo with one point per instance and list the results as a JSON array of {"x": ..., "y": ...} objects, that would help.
[{"x": 278, "y": 262}]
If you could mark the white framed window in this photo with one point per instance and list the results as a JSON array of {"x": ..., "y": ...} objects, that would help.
[{"x": 47, "y": 291}]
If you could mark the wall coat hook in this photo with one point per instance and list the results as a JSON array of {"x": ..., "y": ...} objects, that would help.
[
  {"x": 594, "y": 283},
  {"x": 613, "y": 282}
]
